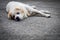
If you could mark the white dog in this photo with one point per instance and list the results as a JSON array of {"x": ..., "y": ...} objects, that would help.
[{"x": 18, "y": 10}]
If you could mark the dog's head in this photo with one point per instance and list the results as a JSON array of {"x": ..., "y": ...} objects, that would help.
[{"x": 19, "y": 14}]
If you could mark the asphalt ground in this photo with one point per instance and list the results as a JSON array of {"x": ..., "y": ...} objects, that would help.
[{"x": 32, "y": 28}]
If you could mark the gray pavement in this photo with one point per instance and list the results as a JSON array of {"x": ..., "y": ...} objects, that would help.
[{"x": 32, "y": 28}]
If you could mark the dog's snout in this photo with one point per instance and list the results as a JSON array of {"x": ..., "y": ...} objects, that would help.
[
  {"x": 18, "y": 19},
  {"x": 18, "y": 13}
]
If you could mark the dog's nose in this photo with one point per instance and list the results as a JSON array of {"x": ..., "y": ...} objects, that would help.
[{"x": 18, "y": 19}]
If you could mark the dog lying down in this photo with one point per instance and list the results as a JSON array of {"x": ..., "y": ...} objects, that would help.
[{"x": 19, "y": 11}]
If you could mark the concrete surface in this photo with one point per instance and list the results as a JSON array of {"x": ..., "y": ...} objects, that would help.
[{"x": 32, "y": 28}]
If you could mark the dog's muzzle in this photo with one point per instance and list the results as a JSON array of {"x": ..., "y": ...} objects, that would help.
[{"x": 17, "y": 19}]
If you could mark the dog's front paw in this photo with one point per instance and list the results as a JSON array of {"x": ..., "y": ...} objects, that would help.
[{"x": 48, "y": 15}]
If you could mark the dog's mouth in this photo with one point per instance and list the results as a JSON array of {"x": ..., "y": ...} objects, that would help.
[{"x": 16, "y": 19}]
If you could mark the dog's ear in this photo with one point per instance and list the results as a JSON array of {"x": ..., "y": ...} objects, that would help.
[
  {"x": 9, "y": 15},
  {"x": 22, "y": 10},
  {"x": 17, "y": 8}
]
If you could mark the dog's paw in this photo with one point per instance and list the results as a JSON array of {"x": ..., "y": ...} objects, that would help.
[{"x": 48, "y": 15}]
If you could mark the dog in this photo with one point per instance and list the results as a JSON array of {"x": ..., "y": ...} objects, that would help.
[{"x": 19, "y": 11}]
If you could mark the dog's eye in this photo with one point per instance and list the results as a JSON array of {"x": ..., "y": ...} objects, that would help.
[
  {"x": 13, "y": 15},
  {"x": 17, "y": 13}
]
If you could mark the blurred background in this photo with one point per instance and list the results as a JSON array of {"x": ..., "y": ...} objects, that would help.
[{"x": 32, "y": 28}]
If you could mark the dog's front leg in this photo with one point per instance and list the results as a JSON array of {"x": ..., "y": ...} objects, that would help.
[
  {"x": 42, "y": 13},
  {"x": 33, "y": 7}
]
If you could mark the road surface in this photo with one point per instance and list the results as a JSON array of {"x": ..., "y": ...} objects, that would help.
[{"x": 32, "y": 28}]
